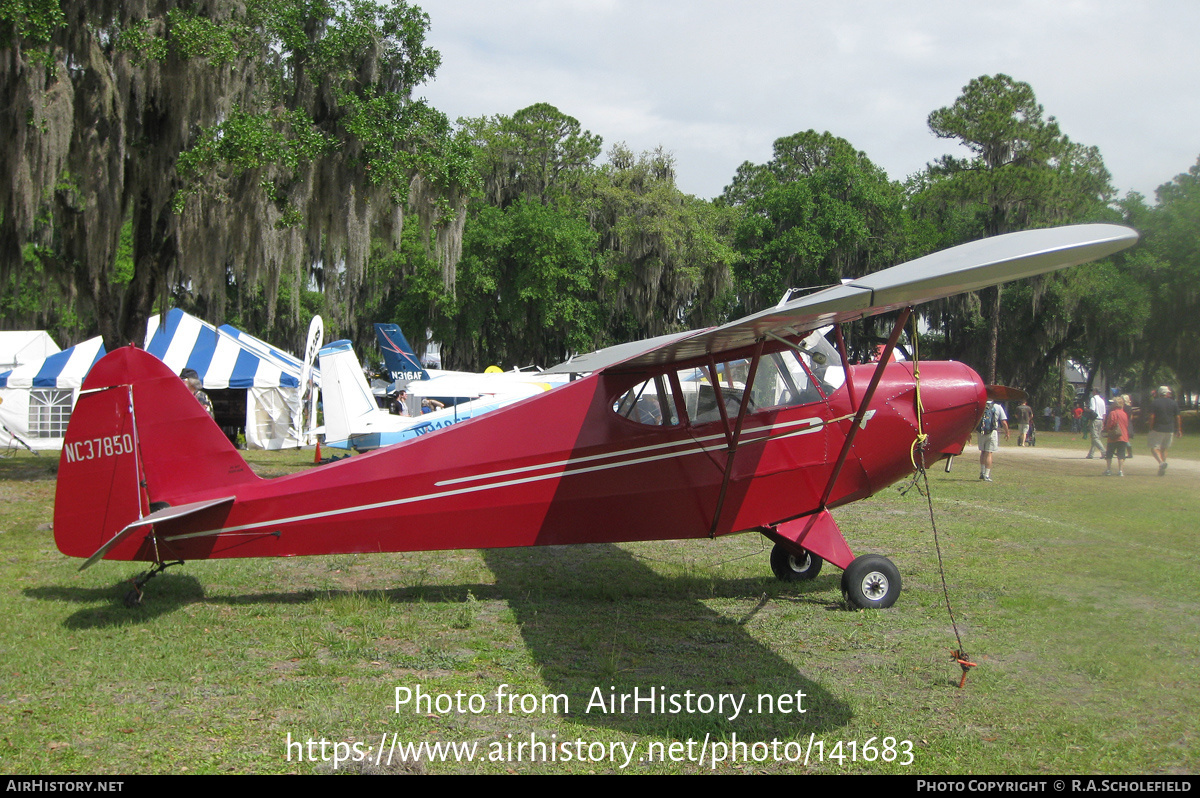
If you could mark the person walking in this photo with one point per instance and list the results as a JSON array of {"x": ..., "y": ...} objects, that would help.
[
  {"x": 1097, "y": 410},
  {"x": 1165, "y": 422},
  {"x": 1116, "y": 429},
  {"x": 1024, "y": 416},
  {"x": 993, "y": 419}
]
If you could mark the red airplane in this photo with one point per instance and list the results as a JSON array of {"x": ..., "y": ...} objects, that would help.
[{"x": 750, "y": 426}]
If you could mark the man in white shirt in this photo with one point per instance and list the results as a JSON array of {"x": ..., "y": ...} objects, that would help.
[{"x": 1099, "y": 409}]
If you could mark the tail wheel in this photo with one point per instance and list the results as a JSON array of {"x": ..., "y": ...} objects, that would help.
[
  {"x": 871, "y": 582},
  {"x": 791, "y": 568}
]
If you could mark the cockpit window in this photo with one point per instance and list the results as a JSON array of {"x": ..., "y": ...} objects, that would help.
[
  {"x": 824, "y": 362},
  {"x": 651, "y": 402},
  {"x": 700, "y": 398},
  {"x": 783, "y": 379}
]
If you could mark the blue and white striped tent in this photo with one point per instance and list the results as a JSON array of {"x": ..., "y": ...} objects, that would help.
[
  {"x": 36, "y": 398},
  {"x": 226, "y": 357}
]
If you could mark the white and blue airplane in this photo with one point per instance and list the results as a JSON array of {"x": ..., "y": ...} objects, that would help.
[{"x": 353, "y": 421}]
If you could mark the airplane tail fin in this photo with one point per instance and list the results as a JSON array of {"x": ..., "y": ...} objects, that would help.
[
  {"x": 347, "y": 396},
  {"x": 401, "y": 362},
  {"x": 137, "y": 441}
]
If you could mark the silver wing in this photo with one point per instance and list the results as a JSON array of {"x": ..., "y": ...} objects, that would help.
[{"x": 968, "y": 267}]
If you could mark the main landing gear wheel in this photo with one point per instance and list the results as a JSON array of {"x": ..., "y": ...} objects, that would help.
[
  {"x": 871, "y": 582},
  {"x": 791, "y": 568}
]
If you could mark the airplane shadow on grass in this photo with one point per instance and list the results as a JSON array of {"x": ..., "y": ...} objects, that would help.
[
  {"x": 164, "y": 595},
  {"x": 600, "y": 624}
]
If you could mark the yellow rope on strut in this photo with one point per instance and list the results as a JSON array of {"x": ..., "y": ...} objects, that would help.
[
  {"x": 919, "y": 442},
  {"x": 960, "y": 654}
]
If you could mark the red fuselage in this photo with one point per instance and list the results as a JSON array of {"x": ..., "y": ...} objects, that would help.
[{"x": 561, "y": 468}]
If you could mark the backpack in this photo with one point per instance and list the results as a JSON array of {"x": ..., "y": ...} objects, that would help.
[{"x": 987, "y": 424}]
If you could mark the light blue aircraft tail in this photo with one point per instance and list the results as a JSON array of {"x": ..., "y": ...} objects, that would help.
[{"x": 398, "y": 356}]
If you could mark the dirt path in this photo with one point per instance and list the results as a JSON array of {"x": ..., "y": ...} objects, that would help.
[{"x": 1141, "y": 465}]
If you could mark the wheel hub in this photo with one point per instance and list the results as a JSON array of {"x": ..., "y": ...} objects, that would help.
[{"x": 875, "y": 585}]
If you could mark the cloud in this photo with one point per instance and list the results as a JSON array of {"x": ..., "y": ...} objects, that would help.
[{"x": 718, "y": 82}]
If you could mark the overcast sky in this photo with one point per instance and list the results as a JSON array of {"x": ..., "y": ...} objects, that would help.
[{"x": 717, "y": 82}]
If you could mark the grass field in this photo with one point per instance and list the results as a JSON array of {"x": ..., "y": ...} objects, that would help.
[{"x": 1073, "y": 593}]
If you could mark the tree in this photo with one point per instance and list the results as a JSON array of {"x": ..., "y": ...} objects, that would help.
[
  {"x": 529, "y": 277},
  {"x": 629, "y": 254},
  {"x": 1023, "y": 172},
  {"x": 668, "y": 265},
  {"x": 818, "y": 211},
  {"x": 1171, "y": 230},
  {"x": 405, "y": 286},
  {"x": 633, "y": 256},
  {"x": 537, "y": 153},
  {"x": 239, "y": 140}
]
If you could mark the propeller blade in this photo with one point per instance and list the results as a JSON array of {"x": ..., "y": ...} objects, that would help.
[{"x": 1003, "y": 393}]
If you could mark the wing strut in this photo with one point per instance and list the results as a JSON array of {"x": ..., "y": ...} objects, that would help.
[
  {"x": 866, "y": 400},
  {"x": 841, "y": 348},
  {"x": 747, "y": 397}
]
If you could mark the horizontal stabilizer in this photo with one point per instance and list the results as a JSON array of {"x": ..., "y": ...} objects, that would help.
[{"x": 155, "y": 517}]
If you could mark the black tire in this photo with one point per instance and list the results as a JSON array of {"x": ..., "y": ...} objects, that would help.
[
  {"x": 791, "y": 568},
  {"x": 871, "y": 582},
  {"x": 133, "y": 598}
]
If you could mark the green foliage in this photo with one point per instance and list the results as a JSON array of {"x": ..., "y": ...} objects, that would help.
[
  {"x": 1172, "y": 278},
  {"x": 1023, "y": 172},
  {"x": 122, "y": 270},
  {"x": 530, "y": 271},
  {"x": 818, "y": 211},
  {"x": 244, "y": 141},
  {"x": 30, "y": 298},
  {"x": 1000, "y": 122},
  {"x": 596, "y": 254},
  {"x": 386, "y": 127},
  {"x": 537, "y": 153},
  {"x": 195, "y": 36},
  {"x": 271, "y": 137},
  {"x": 365, "y": 56},
  {"x": 404, "y": 285},
  {"x": 1092, "y": 314},
  {"x": 667, "y": 258},
  {"x": 32, "y": 20},
  {"x": 186, "y": 35}
]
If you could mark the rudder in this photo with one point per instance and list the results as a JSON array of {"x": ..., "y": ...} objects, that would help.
[
  {"x": 348, "y": 400},
  {"x": 398, "y": 356},
  {"x": 137, "y": 440}
]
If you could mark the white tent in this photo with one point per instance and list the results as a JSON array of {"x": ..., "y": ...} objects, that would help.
[
  {"x": 227, "y": 358},
  {"x": 18, "y": 347},
  {"x": 38, "y": 396}
]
